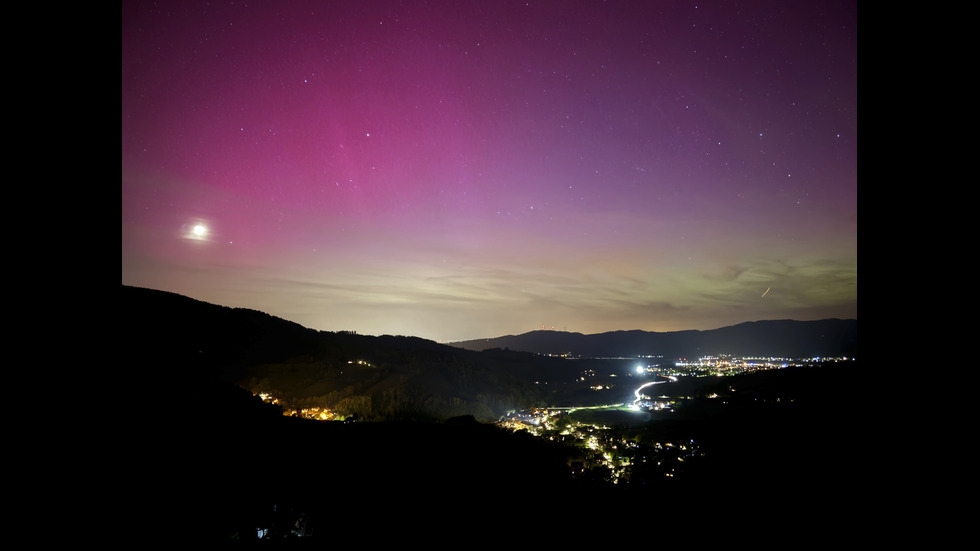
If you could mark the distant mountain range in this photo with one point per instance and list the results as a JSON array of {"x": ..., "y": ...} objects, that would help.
[{"x": 775, "y": 338}]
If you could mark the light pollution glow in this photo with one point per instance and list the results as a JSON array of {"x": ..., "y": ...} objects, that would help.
[{"x": 458, "y": 170}]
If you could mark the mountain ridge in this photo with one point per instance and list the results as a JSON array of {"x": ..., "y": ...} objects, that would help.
[{"x": 780, "y": 338}]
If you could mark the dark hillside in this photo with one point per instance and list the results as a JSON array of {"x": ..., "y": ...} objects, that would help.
[
  {"x": 219, "y": 467},
  {"x": 160, "y": 326},
  {"x": 205, "y": 460},
  {"x": 784, "y": 436},
  {"x": 174, "y": 342}
]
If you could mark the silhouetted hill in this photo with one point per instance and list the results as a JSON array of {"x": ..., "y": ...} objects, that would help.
[
  {"x": 205, "y": 460},
  {"x": 174, "y": 342},
  {"x": 776, "y": 338},
  {"x": 158, "y": 326}
]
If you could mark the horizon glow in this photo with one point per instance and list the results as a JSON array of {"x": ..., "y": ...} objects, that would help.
[{"x": 462, "y": 170}]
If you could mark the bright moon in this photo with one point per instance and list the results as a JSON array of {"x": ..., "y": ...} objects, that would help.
[{"x": 198, "y": 232}]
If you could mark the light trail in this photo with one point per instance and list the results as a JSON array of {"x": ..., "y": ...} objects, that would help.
[{"x": 641, "y": 387}]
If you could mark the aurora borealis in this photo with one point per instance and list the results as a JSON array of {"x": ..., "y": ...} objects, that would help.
[{"x": 464, "y": 169}]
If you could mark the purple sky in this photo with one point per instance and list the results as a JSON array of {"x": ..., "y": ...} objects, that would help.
[{"x": 463, "y": 169}]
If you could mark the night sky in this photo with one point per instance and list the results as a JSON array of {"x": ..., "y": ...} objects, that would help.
[{"x": 464, "y": 169}]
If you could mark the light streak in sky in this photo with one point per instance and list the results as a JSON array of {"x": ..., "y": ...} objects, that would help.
[{"x": 764, "y": 294}]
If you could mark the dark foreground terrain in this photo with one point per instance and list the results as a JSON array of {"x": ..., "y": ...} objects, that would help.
[
  {"x": 231, "y": 468},
  {"x": 202, "y": 460},
  {"x": 226, "y": 467}
]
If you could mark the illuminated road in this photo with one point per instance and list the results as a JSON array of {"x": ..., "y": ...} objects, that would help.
[{"x": 641, "y": 387}]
